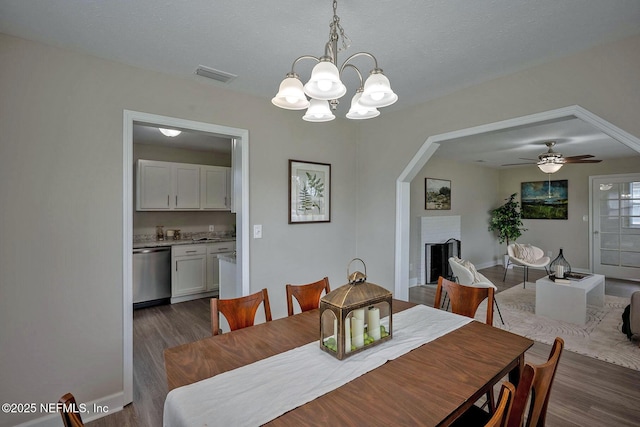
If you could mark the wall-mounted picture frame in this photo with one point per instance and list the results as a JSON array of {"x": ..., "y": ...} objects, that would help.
[
  {"x": 437, "y": 194},
  {"x": 544, "y": 199},
  {"x": 309, "y": 192}
]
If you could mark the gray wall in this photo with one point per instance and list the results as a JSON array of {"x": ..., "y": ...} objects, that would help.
[
  {"x": 551, "y": 235},
  {"x": 61, "y": 177}
]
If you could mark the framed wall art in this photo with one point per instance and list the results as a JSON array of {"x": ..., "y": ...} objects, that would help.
[
  {"x": 544, "y": 199},
  {"x": 309, "y": 192},
  {"x": 437, "y": 194}
]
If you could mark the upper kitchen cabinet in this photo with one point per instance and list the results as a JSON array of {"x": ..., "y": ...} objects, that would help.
[
  {"x": 215, "y": 187},
  {"x": 165, "y": 186}
]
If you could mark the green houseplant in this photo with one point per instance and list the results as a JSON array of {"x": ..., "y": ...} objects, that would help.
[{"x": 506, "y": 220}]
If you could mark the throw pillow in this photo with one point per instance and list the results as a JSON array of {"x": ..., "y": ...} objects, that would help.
[
  {"x": 525, "y": 253},
  {"x": 472, "y": 269}
]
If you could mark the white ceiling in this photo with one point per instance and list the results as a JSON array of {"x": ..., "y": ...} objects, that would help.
[
  {"x": 148, "y": 134},
  {"x": 427, "y": 48}
]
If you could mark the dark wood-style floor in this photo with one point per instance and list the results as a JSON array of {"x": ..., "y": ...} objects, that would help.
[{"x": 586, "y": 392}]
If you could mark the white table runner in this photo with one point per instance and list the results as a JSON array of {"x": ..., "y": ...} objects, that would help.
[{"x": 257, "y": 393}]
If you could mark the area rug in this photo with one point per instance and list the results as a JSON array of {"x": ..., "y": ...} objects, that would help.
[{"x": 600, "y": 337}]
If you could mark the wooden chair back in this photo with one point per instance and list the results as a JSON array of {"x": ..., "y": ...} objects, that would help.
[
  {"x": 541, "y": 386},
  {"x": 69, "y": 411},
  {"x": 308, "y": 296},
  {"x": 503, "y": 409},
  {"x": 465, "y": 299},
  {"x": 239, "y": 312}
]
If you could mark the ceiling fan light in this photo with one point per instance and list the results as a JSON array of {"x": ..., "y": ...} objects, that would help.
[
  {"x": 325, "y": 83},
  {"x": 359, "y": 111},
  {"x": 170, "y": 132},
  {"x": 377, "y": 91},
  {"x": 549, "y": 167},
  {"x": 318, "y": 111},
  {"x": 291, "y": 95}
]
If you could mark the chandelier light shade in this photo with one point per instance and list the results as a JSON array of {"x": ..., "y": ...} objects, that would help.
[
  {"x": 377, "y": 91},
  {"x": 325, "y": 86},
  {"x": 318, "y": 111},
  {"x": 291, "y": 94},
  {"x": 170, "y": 132},
  {"x": 325, "y": 83},
  {"x": 359, "y": 111}
]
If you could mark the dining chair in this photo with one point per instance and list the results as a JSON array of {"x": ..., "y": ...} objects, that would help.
[
  {"x": 68, "y": 411},
  {"x": 465, "y": 299},
  {"x": 505, "y": 402},
  {"x": 526, "y": 256},
  {"x": 543, "y": 377},
  {"x": 308, "y": 296},
  {"x": 465, "y": 273},
  {"x": 239, "y": 312},
  {"x": 534, "y": 388}
]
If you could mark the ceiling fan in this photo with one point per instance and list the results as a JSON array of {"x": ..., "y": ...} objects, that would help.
[{"x": 552, "y": 161}]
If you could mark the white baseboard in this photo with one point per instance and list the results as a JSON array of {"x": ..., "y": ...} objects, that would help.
[{"x": 95, "y": 409}]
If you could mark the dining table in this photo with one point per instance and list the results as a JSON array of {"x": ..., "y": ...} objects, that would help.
[{"x": 431, "y": 385}]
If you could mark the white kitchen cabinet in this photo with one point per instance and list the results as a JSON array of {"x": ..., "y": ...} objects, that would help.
[
  {"x": 154, "y": 185},
  {"x": 215, "y": 187},
  {"x": 165, "y": 186},
  {"x": 186, "y": 179},
  {"x": 213, "y": 266},
  {"x": 189, "y": 270}
]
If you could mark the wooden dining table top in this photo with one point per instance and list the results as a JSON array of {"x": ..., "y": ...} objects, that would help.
[{"x": 431, "y": 385}]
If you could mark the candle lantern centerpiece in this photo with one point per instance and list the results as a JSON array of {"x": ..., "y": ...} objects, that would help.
[{"x": 356, "y": 316}]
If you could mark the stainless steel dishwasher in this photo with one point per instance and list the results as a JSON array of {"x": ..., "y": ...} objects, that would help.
[{"x": 151, "y": 276}]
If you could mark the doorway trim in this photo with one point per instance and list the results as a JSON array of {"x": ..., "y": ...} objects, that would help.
[
  {"x": 415, "y": 165},
  {"x": 240, "y": 160}
]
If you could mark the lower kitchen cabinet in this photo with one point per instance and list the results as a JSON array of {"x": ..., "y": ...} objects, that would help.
[
  {"x": 195, "y": 270},
  {"x": 213, "y": 266},
  {"x": 189, "y": 270}
]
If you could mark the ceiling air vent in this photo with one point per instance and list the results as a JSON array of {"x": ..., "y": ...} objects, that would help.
[{"x": 218, "y": 75}]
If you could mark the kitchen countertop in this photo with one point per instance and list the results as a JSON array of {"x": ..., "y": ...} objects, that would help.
[
  {"x": 171, "y": 242},
  {"x": 228, "y": 258}
]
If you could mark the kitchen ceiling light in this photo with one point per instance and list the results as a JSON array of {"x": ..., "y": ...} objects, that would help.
[
  {"x": 170, "y": 132},
  {"x": 325, "y": 84}
]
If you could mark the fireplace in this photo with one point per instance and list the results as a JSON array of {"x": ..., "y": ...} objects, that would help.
[
  {"x": 437, "y": 259},
  {"x": 435, "y": 230}
]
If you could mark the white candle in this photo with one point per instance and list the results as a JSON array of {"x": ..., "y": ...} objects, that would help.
[
  {"x": 347, "y": 336},
  {"x": 373, "y": 322},
  {"x": 357, "y": 326},
  {"x": 560, "y": 271},
  {"x": 359, "y": 314}
]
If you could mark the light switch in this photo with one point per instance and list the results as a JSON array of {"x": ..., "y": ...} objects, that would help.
[{"x": 257, "y": 231}]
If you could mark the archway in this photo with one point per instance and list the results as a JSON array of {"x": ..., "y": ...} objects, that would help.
[{"x": 403, "y": 183}]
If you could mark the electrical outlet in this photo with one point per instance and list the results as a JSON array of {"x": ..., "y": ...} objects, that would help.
[
  {"x": 211, "y": 228},
  {"x": 257, "y": 231}
]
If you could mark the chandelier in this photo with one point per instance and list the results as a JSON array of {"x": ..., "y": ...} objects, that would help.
[{"x": 324, "y": 88}]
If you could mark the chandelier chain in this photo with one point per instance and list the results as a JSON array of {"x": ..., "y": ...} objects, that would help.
[{"x": 335, "y": 28}]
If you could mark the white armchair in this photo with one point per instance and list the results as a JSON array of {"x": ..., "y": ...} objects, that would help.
[
  {"x": 466, "y": 274},
  {"x": 526, "y": 256}
]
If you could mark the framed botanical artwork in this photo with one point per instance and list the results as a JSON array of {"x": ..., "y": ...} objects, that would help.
[
  {"x": 437, "y": 194},
  {"x": 309, "y": 192},
  {"x": 544, "y": 199}
]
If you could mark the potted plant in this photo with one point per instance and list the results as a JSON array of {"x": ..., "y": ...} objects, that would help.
[{"x": 506, "y": 220}]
